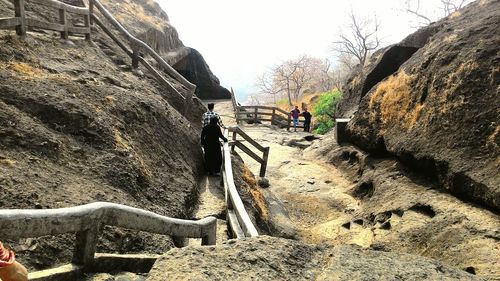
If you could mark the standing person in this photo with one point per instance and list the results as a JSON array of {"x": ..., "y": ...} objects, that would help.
[
  {"x": 209, "y": 114},
  {"x": 307, "y": 120},
  {"x": 295, "y": 116},
  {"x": 10, "y": 269},
  {"x": 210, "y": 141}
]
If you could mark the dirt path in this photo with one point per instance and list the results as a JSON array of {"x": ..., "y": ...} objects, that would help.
[{"x": 312, "y": 193}]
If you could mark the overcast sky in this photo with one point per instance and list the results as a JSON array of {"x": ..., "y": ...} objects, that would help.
[{"x": 240, "y": 39}]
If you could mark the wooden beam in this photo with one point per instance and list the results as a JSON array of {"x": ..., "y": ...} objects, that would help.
[
  {"x": 61, "y": 5},
  {"x": 44, "y": 25},
  {"x": 249, "y": 152},
  {"x": 111, "y": 35},
  {"x": 9, "y": 23},
  {"x": 159, "y": 77},
  {"x": 247, "y": 137}
]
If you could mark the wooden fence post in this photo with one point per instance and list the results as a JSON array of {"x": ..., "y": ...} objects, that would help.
[
  {"x": 86, "y": 20},
  {"x": 256, "y": 118},
  {"x": 20, "y": 13},
  {"x": 135, "y": 57},
  {"x": 235, "y": 134},
  {"x": 273, "y": 116},
  {"x": 63, "y": 21},
  {"x": 86, "y": 242},
  {"x": 91, "y": 12},
  {"x": 263, "y": 164}
]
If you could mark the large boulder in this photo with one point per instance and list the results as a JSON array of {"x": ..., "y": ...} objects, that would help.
[
  {"x": 269, "y": 258},
  {"x": 196, "y": 70},
  {"x": 439, "y": 111},
  {"x": 381, "y": 64}
]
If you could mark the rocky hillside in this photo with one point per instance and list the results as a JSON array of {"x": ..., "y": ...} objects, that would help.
[
  {"x": 77, "y": 126},
  {"x": 432, "y": 102}
]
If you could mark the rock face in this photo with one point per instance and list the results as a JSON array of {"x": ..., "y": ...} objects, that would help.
[
  {"x": 400, "y": 211},
  {"x": 438, "y": 112},
  {"x": 195, "y": 69},
  {"x": 268, "y": 258}
]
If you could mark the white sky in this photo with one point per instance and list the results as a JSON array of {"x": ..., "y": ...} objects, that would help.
[{"x": 242, "y": 39}]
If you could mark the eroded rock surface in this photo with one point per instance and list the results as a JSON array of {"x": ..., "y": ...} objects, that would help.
[
  {"x": 439, "y": 112},
  {"x": 398, "y": 210},
  {"x": 269, "y": 258}
]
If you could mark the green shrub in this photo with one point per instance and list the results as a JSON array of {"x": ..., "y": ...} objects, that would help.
[{"x": 324, "y": 111}]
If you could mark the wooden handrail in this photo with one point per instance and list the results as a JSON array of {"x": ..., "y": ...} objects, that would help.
[
  {"x": 233, "y": 200},
  {"x": 252, "y": 113},
  {"x": 64, "y": 26},
  {"x": 140, "y": 45},
  {"x": 85, "y": 220},
  {"x": 60, "y": 5},
  {"x": 265, "y": 150}
]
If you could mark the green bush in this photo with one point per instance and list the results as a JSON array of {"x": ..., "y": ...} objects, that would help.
[{"x": 324, "y": 111}]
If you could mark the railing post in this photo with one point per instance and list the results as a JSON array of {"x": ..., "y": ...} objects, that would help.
[
  {"x": 20, "y": 13},
  {"x": 91, "y": 12},
  {"x": 263, "y": 164},
  {"x": 86, "y": 242},
  {"x": 135, "y": 57},
  {"x": 288, "y": 122},
  {"x": 63, "y": 21},
  {"x": 86, "y": 20},
  {"x": 256, "y": 119},
  {"x": 210, "y": 230},
  {"x": 235, "y": 135},
  {"x": 273, "y": 116}
]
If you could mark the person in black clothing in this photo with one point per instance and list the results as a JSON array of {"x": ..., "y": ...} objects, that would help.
[
  {"x": 307, "y": 120},
  {"x": 210, "y": 141}
]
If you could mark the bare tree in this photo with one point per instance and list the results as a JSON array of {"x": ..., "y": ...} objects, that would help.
[
  {"x": 361, "y": 40},
  {"x": 293, "y": 78},
  {"x": 425, "y": 16}
]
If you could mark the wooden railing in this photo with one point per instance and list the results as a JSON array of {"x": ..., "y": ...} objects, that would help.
[
  {"x": 239, "y": 144},
  {"x": 237, "y": 217},
  {"x": 86, "y": 221},
  {"x": 135, "y": 47},
  {"x": 138, "y": 47},
  {"x": 259, "y": 114},
  {"x": 21, "y": 23}
]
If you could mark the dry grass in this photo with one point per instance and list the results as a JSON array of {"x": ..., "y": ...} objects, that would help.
[
  {"x": 8, "y": 162},
  {"x": 32, "y": 72},
  {"x": 131, "y": 11},
  {"x": 455, "y": 15},
  {"x": 255, "y": 191},
  {"x": 120, "y": 142},
  {"x": 110, "y": 99},
  {"x": 26, "y": 69},
  {"x": 248, "y": 177},
  {"x": 414, "y": 116},
  {"x": 493, "y": 140},
  {"x": 394, "y": 97}
]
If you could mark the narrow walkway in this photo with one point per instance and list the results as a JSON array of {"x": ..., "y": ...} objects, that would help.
[{"x": 211, "y": 199}]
